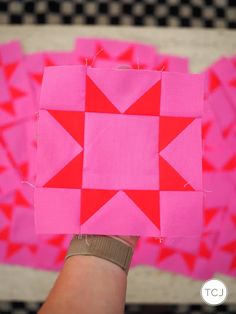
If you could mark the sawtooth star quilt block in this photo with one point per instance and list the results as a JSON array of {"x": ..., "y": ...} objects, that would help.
[{"x": 119, "y": 152}]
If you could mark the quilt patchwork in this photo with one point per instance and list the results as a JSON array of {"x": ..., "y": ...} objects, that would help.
[{"x": 127, "y": 159}]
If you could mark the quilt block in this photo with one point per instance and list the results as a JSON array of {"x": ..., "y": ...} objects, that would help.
[{"x": 119, "y": 152}]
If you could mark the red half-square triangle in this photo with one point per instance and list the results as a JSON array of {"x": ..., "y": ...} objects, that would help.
[
  {"x": 7, "y": 210},
  {"x": 8, "y": 107},
  {"x": 233, "y": 83},
  {"x": 165, "y": 252},
  {"x": 16, "y": 93},
  {"x": 101, "y": 53},
  {"x": 57, "y": 240},
  {"x": 204, "y": 250},
  {"x": 72, "y": 122},
  {"x": 148, "y": 202},
  {"x": 148, "y": 103},
  {"x": 13, "y": 248},
  {"x": 230, "y": 164},
  {"x": 4, "y": 233},
  {"x": 209, "y": 214},
  {"x": 126, "y": 55},
  {"x": 92, "y": 201},
  {"x": 233, "y": 264},
  {"x": 170, "y": 127},
  {"x": 233, "y": 218},
  {"x": 20, "y": 200},
  {"x": 37, "y": 77},
  {"x": 189, "y": 260},
  {"x": 24, "y": 169},
  {"x": 61, "y": 256},
  {"x": 9, "y": 69},
  {"x": 70, "y": 176},
  {"x": 48, "y": 62},
  {"x": 214, "y": 82},
  {"x": 207, "y": 166},
  {"x": 33, "y": 248},
  {"x": 170, "y": 179},
  {"x": 163, "y": 66},
  {"x": 96, "y": 101},
  {"x": 229, "y": 247}
]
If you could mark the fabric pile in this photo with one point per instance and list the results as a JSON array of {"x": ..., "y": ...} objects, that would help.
[{"x": 144, "y": 102}]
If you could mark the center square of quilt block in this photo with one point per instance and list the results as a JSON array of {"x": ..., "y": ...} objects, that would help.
[{"x": 128, "y": 155}]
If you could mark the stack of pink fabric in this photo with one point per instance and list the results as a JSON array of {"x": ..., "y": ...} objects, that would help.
[{"x": 184, "y": 246}]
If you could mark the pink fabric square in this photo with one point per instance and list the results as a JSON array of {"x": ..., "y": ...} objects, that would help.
[
  {"x": 176, "y": 217},
  {"x": 182, "y": 98},
  {"x": 117, "y": 154},
  {"x": 64, "y": 89},
  {"x": 57, "y": 209}
]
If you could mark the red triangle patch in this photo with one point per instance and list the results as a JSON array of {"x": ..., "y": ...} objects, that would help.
[
  {"x": 72, "y": 122},
  {"x": 189, "y": 260},
  {"x": 209, "y": 214},
  {"x": 205, "y": 129},
  {"x": 12, "y": 249},
  {"x": 229, "y": 247},
  {"x": 24, "y": 169},
  {"x": 214, "y": 82},
  {"x": 233, "y": 264},
  {"x": 96, "y": 101},
  {"x": 33, "y": 248},
  {"x": 9, "y": 69},
  {"x": 48, "y": 62},
  {"x": 70, "y": 176},
  {"x": 170, "y": 127},
  {"x": 233, "y": 83},
  {"x": 8, "y": 107},
  {"x": 4, "y": 233},
  {"x": 165, "y": 252},
  {"x": 207, "y": 166},
  {"x": 204, "y": 250},
  {"x": 92, "y": 201},
  {"x": 61, "y": 256},
  {"x": 101, "y": 53},
  {"x": 7, "y": 210},
  {"x": 170, "y": 179},
  {"x": 16, "y": 93},
  {"x": 37, "y": 77},
  {"x": 21, "y": 200},
  {"x": 163, "y": 66},
  {"x": 57, "y": 240},
  {"x": 126, "y": 55},
  {"x": 231, "y": 164},
  {"x": 233, "y": 218},
  {"x": 148, "y": 202},
  {"x": 148, "y": 103},
  {"x": 2, "y": 169}
]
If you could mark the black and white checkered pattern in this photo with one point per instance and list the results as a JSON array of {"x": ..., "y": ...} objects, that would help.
[
  {"x": 33, "y": 307},
  {"x": 195, "y": 13}
]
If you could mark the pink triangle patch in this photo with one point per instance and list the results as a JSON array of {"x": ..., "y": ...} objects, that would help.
[
  {"x": 59, "y": 152},
  {"x": 184, "y": 154}
]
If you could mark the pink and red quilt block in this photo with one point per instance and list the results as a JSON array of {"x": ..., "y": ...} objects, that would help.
[{"x": 119, "y": 152}]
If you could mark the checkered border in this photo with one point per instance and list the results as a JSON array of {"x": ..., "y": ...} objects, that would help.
[
  {"x": 185, "y": 13},
  {"x": 7, "y": 307}
]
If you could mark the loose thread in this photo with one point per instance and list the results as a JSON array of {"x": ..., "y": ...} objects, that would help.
[
  {"x": 86, "y": 240},
  {"x": 94, "y": 58},
  {"x": 28, "y": 183}
]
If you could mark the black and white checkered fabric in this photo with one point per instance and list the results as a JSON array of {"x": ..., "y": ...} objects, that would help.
[
  {"x": 195, "y": 13},
  {"x": 33, "y": 307}
]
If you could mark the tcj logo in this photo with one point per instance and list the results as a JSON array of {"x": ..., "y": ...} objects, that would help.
[{"x": 214, "y": 292}]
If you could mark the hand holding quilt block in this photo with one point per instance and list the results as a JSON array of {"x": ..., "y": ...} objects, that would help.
[{"x": 119, "y": 152}]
